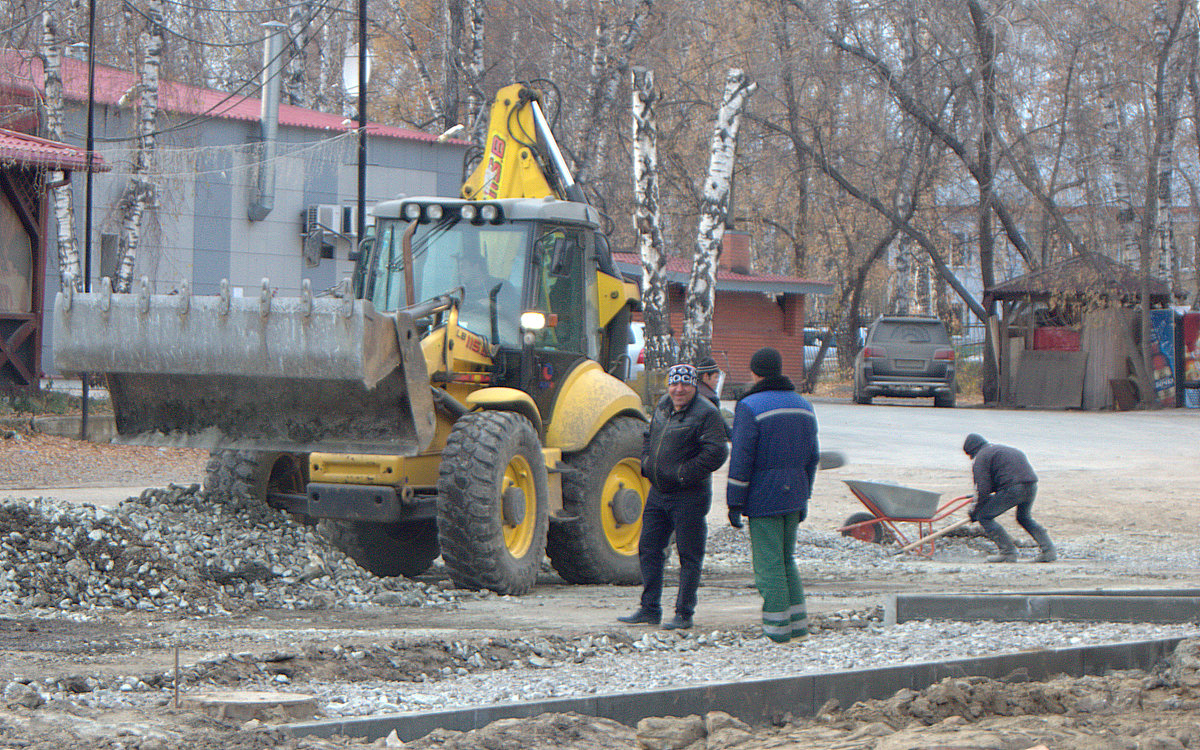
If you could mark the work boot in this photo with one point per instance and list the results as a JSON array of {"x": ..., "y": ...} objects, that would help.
[
  {"x": 1004, "y": 543},
  {"x": 1048, "y": 554},
  {"x": 678, "y": 622},
  {"x": 642, "y": 617}
]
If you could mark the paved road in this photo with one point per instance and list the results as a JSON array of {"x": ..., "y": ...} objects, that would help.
[{"x": 914, "y": 434}]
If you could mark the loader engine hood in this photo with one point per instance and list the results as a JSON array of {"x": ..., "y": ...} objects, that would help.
[{"x": 258, "y": 373}]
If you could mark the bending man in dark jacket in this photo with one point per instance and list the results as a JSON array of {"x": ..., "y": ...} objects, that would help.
[
  {"x": 773, "y": 462},
  {"x": 683, "y": 447},
  {"x": 1004, "y": 479}
]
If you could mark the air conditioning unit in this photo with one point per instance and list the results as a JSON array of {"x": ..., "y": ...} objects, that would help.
[
  {"x": 350, "y": 219},
  {"x": 322, "y": 217}
]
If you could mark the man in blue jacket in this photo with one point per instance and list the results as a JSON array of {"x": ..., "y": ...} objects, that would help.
[
  {"x": 683, "y": 447},
  {"x": 772, "y": 465}
]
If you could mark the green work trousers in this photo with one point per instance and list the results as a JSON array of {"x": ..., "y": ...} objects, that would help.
[{"x": 773, "y": 547}]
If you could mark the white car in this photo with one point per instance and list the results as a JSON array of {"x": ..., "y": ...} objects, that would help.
[{"x": 636, "y": 350}]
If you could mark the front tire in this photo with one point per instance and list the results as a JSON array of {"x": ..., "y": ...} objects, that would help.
[
  {"x": 493, "y": 503},
  {"x": 604, "y": 493},
  {"x": 252, "y": 475},
  {"x": 384, "y": 549},
  {"x": 869, "y": 533}
]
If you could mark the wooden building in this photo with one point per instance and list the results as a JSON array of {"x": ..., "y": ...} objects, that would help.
[
  {"x": 1067, "y": 334},
  {"x": 26, "y": 162}
]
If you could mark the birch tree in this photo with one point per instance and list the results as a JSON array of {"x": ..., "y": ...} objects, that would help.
[
  {"x": 702, "y": 284},
  {"x": 300, "y": 17},
  {"x": 70, "y": 270},
  {"x": 140, "y": 191},
  {"x": 610, "y": 62},
  {"x": 655, "y": 311}
]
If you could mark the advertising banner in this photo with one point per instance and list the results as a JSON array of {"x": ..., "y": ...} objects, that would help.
[
  {"x": 1162, "y": 355},
  {"x": 1191, "y": 359}
]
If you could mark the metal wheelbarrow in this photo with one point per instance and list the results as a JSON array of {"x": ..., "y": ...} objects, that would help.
[{"x": 891, "y": 505}]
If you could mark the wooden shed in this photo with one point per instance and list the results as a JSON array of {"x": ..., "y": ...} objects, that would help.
[
  {"x": 1068, "y": 334},
  {"x": 26, "y": 162}
]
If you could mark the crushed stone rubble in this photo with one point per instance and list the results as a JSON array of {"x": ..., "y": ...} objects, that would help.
[{"x": 178, "y": 551}]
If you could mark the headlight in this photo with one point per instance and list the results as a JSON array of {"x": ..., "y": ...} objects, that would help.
[
  {"x": 489, "y": 212},
  {"x": 412, "y": 211},
  {"x": 532, "y": 320},
  {"x": 468, "y": 212}
]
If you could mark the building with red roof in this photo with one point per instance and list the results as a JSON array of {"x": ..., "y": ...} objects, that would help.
[
  {"x": 25, "y": 162},
  {"x": 208, "y": 220},
  {"x": 751, "y": 310}
]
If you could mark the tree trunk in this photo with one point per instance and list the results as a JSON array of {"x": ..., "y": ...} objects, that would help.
[
  {"x": 300, "y": 17},
  {"x": 423, "y": 76},
  {"x": 609, "y": 63},
  {"x": 476, "y": 119},
  {"x": 141, "y": 191},
  {"x": 702, "y": 284},
  {"x": 985, "y": 40},
  {"x": 655, "y": 311},
  {"x": 451, "y": 63},
  {"x": 70, "y": 272}
]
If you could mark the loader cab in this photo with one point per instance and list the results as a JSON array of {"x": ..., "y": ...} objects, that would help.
[{"x": 507, "y": 257}]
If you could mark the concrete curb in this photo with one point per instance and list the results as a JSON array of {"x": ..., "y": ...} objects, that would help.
[
  {"x": 102, "y": 428},
  {"x": 1110, "y": 605},
  {"x": 762, "y": 701}
]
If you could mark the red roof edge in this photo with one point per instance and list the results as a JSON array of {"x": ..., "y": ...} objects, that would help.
[{"x": 31, "y": 151}]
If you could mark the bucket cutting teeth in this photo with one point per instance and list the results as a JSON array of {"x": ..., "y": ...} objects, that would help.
[{"x": 264, "y": 372}]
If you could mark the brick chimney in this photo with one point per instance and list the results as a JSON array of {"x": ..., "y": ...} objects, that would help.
[{"x": 735, "y": 252}]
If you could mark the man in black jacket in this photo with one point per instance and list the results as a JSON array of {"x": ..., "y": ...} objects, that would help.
[
  {"x": 1003, "y": 480},
  {"x": 683, "y": 447}
]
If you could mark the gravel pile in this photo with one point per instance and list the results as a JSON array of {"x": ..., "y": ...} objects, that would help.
[
  {"x": 174, "y": 550},
  {"x": 177, "y": 550}
]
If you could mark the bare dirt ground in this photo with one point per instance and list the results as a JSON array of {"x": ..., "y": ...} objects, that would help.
[{"x": 1102, "y": 477}]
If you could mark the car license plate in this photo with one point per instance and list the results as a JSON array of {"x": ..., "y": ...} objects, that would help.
[{"x": 910, "y": 364}]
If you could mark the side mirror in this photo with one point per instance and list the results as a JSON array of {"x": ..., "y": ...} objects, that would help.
[{"x": 363, "y": 250}]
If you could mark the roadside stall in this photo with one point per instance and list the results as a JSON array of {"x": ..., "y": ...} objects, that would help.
[{"x": 1068, "y": 334}]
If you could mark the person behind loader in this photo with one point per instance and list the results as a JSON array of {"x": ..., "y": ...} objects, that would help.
[
  {"x": 683, "y": 447},
  {"x": 1004, "y": 479}
]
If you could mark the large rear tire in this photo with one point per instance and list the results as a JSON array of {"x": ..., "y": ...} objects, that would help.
[
  {"x": 604, "y": 493},
  {"x": 384, "y": 549},
  {"x": 250, "y": 475},
  {"x": 493, "y": 503}
]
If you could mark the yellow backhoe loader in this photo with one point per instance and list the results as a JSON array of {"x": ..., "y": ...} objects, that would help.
[{"x": 458, "y": 401}]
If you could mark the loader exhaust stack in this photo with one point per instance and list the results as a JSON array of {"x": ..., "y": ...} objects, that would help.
[{"x": 263, "y": 373}]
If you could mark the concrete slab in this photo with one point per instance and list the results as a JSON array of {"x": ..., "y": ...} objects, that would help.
[
  {"x": 762, "y": 701},
  {"x": 1159, "y": 606}
]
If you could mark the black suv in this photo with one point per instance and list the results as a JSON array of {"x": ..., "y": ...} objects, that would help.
[{"x": 905, "y": 356}]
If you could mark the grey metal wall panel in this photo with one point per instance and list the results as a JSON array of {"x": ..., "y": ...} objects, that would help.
[{"x": 201, "y": 232}]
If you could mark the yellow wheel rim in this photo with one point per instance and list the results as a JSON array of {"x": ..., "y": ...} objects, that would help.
[
  {"x": 519, "y": 537},
  {"x": 625, "y": 475}
]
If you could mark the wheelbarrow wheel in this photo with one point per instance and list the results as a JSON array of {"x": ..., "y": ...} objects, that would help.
[{"x": 869, "y": 533}]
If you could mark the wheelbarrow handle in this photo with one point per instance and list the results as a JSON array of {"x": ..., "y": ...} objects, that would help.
[{"x": 939, "y": 533}]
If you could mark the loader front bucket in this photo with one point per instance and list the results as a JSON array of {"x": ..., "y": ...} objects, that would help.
[{"x": 264, "y": 373}]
